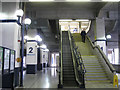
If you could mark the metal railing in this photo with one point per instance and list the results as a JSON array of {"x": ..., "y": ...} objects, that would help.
[
  {"x": 103, "y": 55},
  {"x": 79, "y": 67},
  {"x": 97, "y": 47}
]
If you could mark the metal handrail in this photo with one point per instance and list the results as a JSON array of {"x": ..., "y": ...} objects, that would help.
[
  {"x": 79, "y": 64},
  {"x": 79, "y": 56},
  {"x": 104, "y": 56}
]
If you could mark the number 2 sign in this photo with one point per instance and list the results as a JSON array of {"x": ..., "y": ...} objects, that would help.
[{"x": 30, "y": 50}]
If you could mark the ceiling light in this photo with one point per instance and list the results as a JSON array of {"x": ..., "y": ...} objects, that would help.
[
  {"x": 47, "y": 50},
  {"x": 84, "y": 26},
  {"x": 108, "y": 36},
  {"x": 26, "y": 37},
  {"x": 43, "y": 46},
  {"x": 65, "y": 20},
  {"x": 111, "y": 0},
  {"x": 38, "y": 38},
  {"x": 41, "y": 0},
  {"x": 27, "y": 21},
  {"x": 85, "y": 20},
  {"x": 77, "y": 0},
  {"x": 19, "y": 12}
]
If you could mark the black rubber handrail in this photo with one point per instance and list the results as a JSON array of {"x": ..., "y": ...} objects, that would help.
[{"x": 77, "y": 61}]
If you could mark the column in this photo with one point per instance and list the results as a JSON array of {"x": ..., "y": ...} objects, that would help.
[
  {"x": 31, "y": 58},
  {"x": 100, "y": 34}
]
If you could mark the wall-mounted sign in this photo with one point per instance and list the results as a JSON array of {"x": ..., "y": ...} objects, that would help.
[
  {"x": 12, "y": 60},
  {"x": 31, "y": 57},
  {"x": 31, "y": 49},
  {"x": 1, "y": 58}
]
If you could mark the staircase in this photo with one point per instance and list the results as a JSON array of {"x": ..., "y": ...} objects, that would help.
[
  {"x": 95, "y": 76},
  {"x": 68, "y": 68}
]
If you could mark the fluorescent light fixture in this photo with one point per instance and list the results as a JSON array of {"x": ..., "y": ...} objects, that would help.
[
  {"x": 78, "y": 0},
  {"x": 111, "y": 0},
  {"x": 84, "y": 26},
  {"x": 41, "y": 0},
  {"x": 43, "y": 46},
  {"x": 38, "y": 38},
  {"x": 85, "y": 20},
  {"x": 108, "y": 36},
  {"x": 65, "y": 20}
]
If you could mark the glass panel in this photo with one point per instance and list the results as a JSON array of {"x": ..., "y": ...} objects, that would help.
[
  {"x": 6, "y": 59},
  {"x": 1, "y": 59},
  {"x": 12, "y": 60}
]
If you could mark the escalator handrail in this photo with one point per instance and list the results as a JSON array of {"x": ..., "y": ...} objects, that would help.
[
  {"x": 61, "y": 71},
  {"x": 103, "y": 55},
  {"x": 76, "y": 75}
]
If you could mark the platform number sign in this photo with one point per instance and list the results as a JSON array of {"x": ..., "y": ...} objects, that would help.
[{"x": 30, "y": 49}]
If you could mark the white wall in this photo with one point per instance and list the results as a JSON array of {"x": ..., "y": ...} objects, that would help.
[
  {"x": 31, "y": 33},
  {"x": 0, "y": 26},
  {"x": 43, "y": 56},
  {"x": 10, "y": 32}
]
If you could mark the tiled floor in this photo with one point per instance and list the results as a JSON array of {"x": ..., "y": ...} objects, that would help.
[{"x": 47, "y": 78}]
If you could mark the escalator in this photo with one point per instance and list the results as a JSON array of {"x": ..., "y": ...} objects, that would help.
[
  {"x": 68, "y": 68},
  {"x": 99, "y": 71}
]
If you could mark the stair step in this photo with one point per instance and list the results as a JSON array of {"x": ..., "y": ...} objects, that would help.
[
  {"x": 95, "y": 76},
  {"x": 94, "y": 79},
  {"x": 95, "y": 71},
  {"x": 93, "y": 66}
]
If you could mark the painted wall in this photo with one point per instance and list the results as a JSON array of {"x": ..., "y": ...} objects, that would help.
[
  {"x": 10, "y": 32},
  {"x": 44, "y": 56}
]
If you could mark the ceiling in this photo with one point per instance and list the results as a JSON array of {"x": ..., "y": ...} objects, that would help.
[{"x": 45, "y": 17}]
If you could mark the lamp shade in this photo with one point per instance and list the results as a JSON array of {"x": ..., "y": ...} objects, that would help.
[
  {"x": 19, "y": 12},
  {"x": 27, "y": 21}
]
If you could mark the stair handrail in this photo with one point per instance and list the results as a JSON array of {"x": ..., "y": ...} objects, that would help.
[
  {"x": 103, "y": 55},
  {"x": 73, "y": 56},
  {"x": 78, "y": 54}
]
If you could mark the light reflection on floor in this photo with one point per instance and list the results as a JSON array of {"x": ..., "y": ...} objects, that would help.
[{"x": 47, "y": 78}]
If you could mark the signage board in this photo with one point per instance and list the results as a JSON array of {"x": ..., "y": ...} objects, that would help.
[
  {"x": 1, "y": 59},
  {"x": 6, "y": 58},
  {"x": 12, "y": 64}
]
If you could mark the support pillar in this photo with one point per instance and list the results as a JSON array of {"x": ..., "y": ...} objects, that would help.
[
  {"x": 31, "y": 60},
  {"x": 100, "y": 34}
]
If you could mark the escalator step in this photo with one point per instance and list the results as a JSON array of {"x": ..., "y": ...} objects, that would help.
[
  {"x": 69, "y": 76},
  {"x": 68, "y": 79},
  {"x": 70, "y": 83}
]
